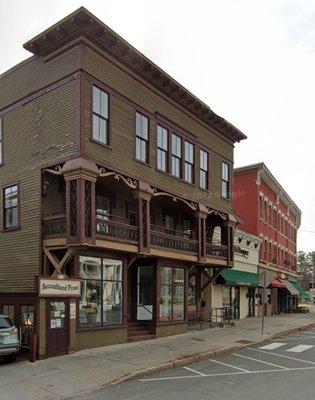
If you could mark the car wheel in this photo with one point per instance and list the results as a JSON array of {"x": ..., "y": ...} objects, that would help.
[{"x": 10, "y": 358}]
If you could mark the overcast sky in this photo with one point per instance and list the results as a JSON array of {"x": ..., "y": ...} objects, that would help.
[{"x": 251, "y": 61}]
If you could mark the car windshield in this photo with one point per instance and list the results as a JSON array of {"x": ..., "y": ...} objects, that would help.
[{"x": 5, "y": 323}]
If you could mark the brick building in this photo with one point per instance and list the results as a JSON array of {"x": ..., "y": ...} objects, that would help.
[{"x": 270, "y": 213}]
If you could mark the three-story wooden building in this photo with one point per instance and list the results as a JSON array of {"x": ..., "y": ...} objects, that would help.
[{"x": 115, "y": 181}]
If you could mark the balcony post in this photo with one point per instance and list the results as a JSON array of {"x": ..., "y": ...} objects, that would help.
[
  {"x": 142, "y": 197},
  {"x": 80, "y": 176},
  {"x": 201, "y": 217},
  {"x": 227, "y": 238}
]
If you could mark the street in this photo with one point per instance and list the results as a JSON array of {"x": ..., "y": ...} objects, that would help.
[{"x": 279, "y": 369}]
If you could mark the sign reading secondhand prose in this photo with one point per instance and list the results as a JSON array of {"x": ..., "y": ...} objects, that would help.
[{"x": 48, "y": 287}]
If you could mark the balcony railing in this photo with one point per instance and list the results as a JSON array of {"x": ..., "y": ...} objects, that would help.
[
  {"x": 173, "y": 242},
  {"x": 216, "y": 250},
  {"x": 55, "y": 226},
  {"x": 116, "y": 230}
]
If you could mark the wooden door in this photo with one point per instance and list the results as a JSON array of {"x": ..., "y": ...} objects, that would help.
[{"x": 57, "y": 327}]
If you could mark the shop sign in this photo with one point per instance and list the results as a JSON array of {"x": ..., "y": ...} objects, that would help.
[{"x": 48, "y": 287}]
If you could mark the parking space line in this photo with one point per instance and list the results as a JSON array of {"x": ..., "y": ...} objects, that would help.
[
  {"x": 231, "y": 366},
  {"x": 300, "y": 348},
  {"x": 172, "y": 378},
  {"x": 273, "y": 346},
  {"x": 281, "y": 355},
  {"x": 260, "y": 361},
  {"x": 299, "y": 338},
  {"x": 193, "y": 370}
]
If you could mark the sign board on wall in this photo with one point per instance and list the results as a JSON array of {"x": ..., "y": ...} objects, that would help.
[{"x": 48, "y": 287}]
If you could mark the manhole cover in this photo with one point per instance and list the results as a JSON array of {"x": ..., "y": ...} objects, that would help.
[{"x": 244, "y": 341}]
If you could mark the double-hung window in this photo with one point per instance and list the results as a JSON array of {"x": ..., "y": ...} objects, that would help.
[
  {"x": 10, "y": 207},
  {"x": 204, "y": 166},
  {"x": 100, "y": 115},
  {"x": 142, "y": 138},
  {"x": 176, "y": 155},
  {"x": 162, "y": 148},
  {"x": 225, "y": 185},
  {"x": 189, "y": 162}
]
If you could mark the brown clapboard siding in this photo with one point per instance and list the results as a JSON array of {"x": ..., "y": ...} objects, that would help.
[
  {"x": 54, "y": 201},
  {"x": 42, "y": 131},
  {"x": 128, "y": 95},
  {"x": 34, "y": 74}
]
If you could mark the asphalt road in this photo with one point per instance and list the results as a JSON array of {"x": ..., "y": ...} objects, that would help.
[{"x": 280, "y": 370}]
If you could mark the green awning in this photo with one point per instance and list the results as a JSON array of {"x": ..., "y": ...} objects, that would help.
[
  {"x": 303, "y": 294},
  {"x": 233, "y": 277}
]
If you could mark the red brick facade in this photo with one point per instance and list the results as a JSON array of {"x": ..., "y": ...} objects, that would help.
[{"x": 267, "y": 211}]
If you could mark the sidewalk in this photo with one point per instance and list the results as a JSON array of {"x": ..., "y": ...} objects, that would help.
[{"x": 66, "y": 376}]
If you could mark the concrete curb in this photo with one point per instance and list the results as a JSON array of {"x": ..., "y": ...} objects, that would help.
[{"x": 192, "y": 358}]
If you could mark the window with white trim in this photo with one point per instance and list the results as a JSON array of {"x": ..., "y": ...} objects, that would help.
[
  {"x": 162, "y": 148},
  {"x": 100, "y": 115},
  {"x": 204, "y": 166},
  {"x": 225, "y": 185},
  {"x": 10, "y": 207},
  {"x": 176, "y": 155},
  {"x": 189, "y": 162},
  {"x": 142, "y": 138}
]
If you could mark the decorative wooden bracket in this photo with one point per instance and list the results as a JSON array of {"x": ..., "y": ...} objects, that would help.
[{"x": 59, "y": 264}]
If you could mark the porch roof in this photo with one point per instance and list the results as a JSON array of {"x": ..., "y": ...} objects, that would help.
[{"x": 239, "y": 278}]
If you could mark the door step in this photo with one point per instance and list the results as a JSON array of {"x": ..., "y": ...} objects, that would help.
[{"x": 138, "y": 331}]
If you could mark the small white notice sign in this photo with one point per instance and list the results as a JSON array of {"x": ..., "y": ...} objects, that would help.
[{"x": 73, "y": 311}]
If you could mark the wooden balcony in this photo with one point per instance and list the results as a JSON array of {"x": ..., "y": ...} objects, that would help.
[
  {"x": 216, "y": 250},
  {"x": 55, "y": 226},
  {"x": 173, "y": 240},
  {"x": 115, "y": 233}
]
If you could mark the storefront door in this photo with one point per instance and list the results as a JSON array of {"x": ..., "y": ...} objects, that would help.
[
  {"x": 57, "y": 327},
  {"x": 145, "y": 293}
]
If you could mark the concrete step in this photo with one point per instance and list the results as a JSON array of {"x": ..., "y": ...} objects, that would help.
[{"x": 140, "y": 338}]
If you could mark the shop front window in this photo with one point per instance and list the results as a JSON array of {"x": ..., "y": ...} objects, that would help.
[
  {"x": 101, "y": 296},
  {"x": 27, "y": 323},
  {"x": 172, "y": 294},
  {"x": 230, "y": 301},
  {"x": 8, "y": 310}
]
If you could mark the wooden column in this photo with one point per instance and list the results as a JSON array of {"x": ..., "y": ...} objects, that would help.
[
  {"x": 80, "y": 176},
  {"x": 201, "y": 217},
  {"x": 142, "y": 197},
  {"x": 227, "y": 239}
]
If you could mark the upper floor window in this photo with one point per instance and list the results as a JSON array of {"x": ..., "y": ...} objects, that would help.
[
  {"x": 1, "y": 143},
  {"x": 176, "y": 155},
  {"x": 142, "y": 138},
  {"x": 100, "y": 115},
  {"x": 10, "y": 207},
  {"x": 204, "y": 166},
  {"x": 225, "y": 188},
  {"x": 189, "y": 162},
  {"x": 162, "y": 148}
]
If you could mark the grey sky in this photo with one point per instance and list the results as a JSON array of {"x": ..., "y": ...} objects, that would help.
[{"x": 251, "y": 61}]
